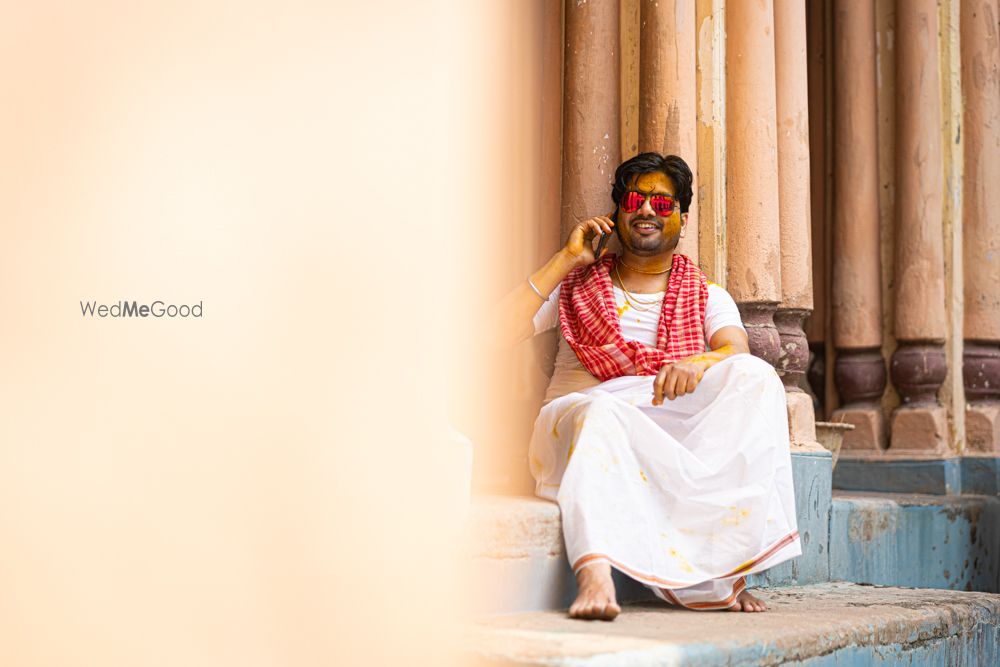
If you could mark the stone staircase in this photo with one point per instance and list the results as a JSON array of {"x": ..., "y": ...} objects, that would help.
[{"x": 883, "y": 579}]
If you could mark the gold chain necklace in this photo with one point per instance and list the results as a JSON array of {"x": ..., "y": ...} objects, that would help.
[
  {"x": 648, "y": 273},
  {"x": 633, "y": 301}
]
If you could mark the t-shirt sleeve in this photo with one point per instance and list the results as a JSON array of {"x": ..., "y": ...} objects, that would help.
[
  {"x": 547, "y": 316},
  {"x": 720, "y": 311}
]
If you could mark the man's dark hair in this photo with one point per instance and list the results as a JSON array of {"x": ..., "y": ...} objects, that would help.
[{"x": 648, "y": 163}]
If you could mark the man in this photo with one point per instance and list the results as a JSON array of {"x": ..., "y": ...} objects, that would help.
[{"x": 663, "y": 440}]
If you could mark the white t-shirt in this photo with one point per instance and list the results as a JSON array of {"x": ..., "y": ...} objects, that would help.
[{"x": 570, "y": 375}]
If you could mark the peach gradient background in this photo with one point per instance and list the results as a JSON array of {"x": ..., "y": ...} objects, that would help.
[{"x": 267, "y": 485}]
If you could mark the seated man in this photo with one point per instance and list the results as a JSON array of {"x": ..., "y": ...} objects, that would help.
[{"x": 670, "y": 463}]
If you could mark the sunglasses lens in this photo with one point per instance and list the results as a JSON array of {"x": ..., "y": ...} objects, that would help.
[
  {"x": 632, "y": 201},
  {"x": 661, "y": 204}
]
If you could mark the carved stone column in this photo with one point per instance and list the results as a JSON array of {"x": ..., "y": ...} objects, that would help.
[
  {"x": 792, "y": 120},
  {"x": 591, "y": 116},
  {"x": 919, "y": 365},
  {"x": 667, "y": 75},
  {"x": 981, "y": 223},
  {"x": 753, "y": 253},
  {"x": 859, "y": 372}
]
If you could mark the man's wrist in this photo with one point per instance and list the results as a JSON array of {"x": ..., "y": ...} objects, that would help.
[{"x": 566, "y": 261}]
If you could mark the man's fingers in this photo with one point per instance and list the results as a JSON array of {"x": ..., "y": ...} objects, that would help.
[
  {"x": 658, "y": 385},
  {"x": 670, "y": 386},
  {"x": 692, "y": 382},
  {"x": 682, "y": 383}
]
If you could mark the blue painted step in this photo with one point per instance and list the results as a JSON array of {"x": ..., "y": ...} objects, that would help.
[{"x": 923, "y": 541}]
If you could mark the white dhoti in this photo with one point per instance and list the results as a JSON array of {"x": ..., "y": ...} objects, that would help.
[{"x": 688, "y": 497}]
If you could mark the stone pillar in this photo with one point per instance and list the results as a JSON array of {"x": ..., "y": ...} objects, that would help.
[
  {"x": 667, "y": 92},
  {"x": 859, "y": 372},
  {"x": 792, "y": 121},
  {"x": 919, "y": 365},
  {"x": 754, "y": 262},
  {"x": 711, "y": 134},
  {"x": 981, "y": 223},
  {"x": 591, "y": 132},
  {"x": 819, "y": 38}
]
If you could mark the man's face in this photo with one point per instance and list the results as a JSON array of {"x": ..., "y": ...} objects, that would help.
[{"x": 643, "y": 232}]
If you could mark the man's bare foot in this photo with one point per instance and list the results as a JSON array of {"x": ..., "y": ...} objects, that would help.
[
  {"x": 747, "y": 602},
  {"x": 596, "y": 596}
]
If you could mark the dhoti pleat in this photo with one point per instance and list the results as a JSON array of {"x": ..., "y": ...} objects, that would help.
[{"x": 688, "y": 497}]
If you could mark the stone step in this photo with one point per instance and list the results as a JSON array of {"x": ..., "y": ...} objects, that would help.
[
  {"x": 820, "y": 624},
  {"x": 517, "y": 558},
  {"x": 924, "y": 541}
]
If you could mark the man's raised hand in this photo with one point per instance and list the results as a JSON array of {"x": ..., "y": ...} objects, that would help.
[{"x": 579, "y": 246}]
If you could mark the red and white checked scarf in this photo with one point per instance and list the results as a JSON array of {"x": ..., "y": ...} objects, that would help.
[{"x": 588, "y": 317}]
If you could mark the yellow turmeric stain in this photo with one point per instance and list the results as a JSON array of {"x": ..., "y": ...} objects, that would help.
[
  {"x": 536, "y": 465},
  {"x": 622, "y": 309},
  {"x": 737, "y": 517},
  {"x": 555, "y": 426},
  {"x": 644, "y": 478},
  {"x": 682, "y": 561}
]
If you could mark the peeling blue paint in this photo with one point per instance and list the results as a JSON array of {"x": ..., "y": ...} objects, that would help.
[
  {"x": 811, "y": 476},
  {"x": 921, "y": 541},
  {"x": 975, "y": 475}
]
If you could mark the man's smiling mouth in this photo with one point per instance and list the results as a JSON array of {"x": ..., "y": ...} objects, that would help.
[{"x": 645, "y": 226}]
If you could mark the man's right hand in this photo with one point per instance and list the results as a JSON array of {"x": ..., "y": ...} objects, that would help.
[{"x": 580, "y": 245}]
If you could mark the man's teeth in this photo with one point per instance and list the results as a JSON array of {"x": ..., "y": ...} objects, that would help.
[{"x": 645, "y": 225}]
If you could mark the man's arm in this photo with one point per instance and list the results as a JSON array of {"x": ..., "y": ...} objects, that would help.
[
  {"x": 513, "y": 315},
  {"x": 681, "y": 377}
]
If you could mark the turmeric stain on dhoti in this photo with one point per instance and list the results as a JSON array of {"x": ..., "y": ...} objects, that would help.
[
  {"x": 555, "y": 425},
  {"x": 644, "y": 478},
  {"x": 737, "y": 516},
  {"x": 536, "y": 465},
  {"x": 682, "y": 561}
]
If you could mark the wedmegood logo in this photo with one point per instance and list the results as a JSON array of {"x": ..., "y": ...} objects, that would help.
[{"x": 133, "y": 309}]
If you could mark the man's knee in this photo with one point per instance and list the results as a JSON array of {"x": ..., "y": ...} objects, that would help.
[{"x": 755, "y": 369}]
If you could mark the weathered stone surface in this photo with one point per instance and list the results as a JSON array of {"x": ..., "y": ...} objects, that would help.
[
  {"x": 869, "y": 427},
  {"x": 981, "y": 371},
  {"x": 860, "y": 376},
  {"x": 982, "y": 427},
  {"x": 801, "y": 417},
  {"x": 762, "y": 334},
  {"x": 916, "y": 540},
  {"x": 918, "y": 372},
  {"x": 928, "y": 474},
  {"x": 793, "y": 355},
  {"x": 513, "y": 527},
  {"x": 812, "y": 469},
  {"x": 823, "y": 622},
  {"x": 922, "y": 428}
]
